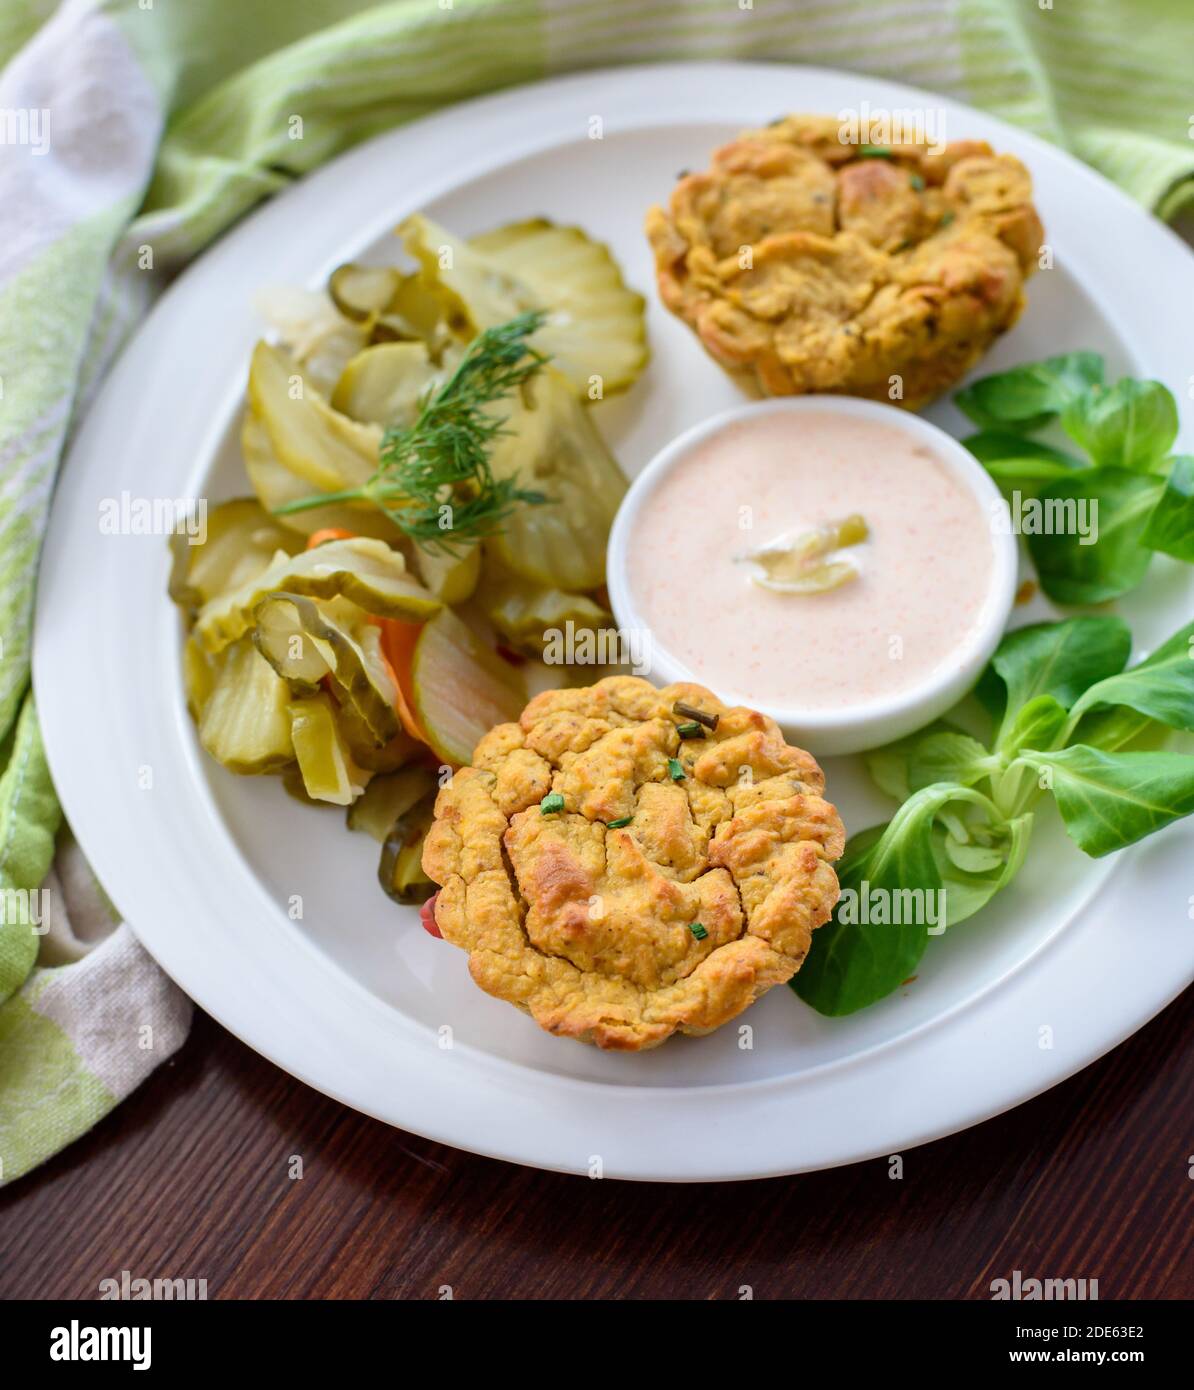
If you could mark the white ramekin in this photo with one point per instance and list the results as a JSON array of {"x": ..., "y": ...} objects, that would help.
[{"x": 866, "y": 725}]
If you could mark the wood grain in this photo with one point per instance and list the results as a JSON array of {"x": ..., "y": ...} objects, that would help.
[{"x": 189, "y": 1178}]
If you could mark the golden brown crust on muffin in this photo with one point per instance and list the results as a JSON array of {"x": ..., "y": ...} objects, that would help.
[
  {"x": 799, "y": 261},
  {"x": 588, "y": 926}
]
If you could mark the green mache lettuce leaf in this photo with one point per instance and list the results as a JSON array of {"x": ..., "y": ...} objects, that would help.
[
  {"x": 1170, "y": 526},
  {"x": 1160, "y": 687},
  {"x": 1018, "y": 463},
  {"x": 1034, "y": 725},
  {"x": 937, "y": 753},
  {"x": 951, "y": 848},
  {"x": 1109, "y": 800},
  {"x": 967, "y": 855},
  {"x": 1113, "y": 728},
  {"x": 1029, "y": 396},
  {"x": 946, "y": 756},
  {"x": 1073, "y": 569},
  {"x": 966, "y": 890},
  {"x": 851, "y": 963},
  {"x": 888, "y": 769},
  {"x": 1059, "y": 659},
  {"x": 1129, "y": 425}
]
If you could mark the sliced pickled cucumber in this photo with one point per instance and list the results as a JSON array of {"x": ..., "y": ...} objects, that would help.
[
  {"x": 337, "y": 643},
  {"x": 329, "y": 773},
  {"x": 552, "y": 446},
  {"x": 394, "y": 308},
  {"x": 366, "y": 571},
  {"x": 799, "y": 564},
  {"x": 369, "y": 750},
  {"x": 299, "y": 446},
  {"x": 275, "y": 485},
  {"x": 361, "y": 292},
  {"x": 461, "y": 688},
  {"x": 304, "y": 644},
  {"x": 309, "y": 437},
  {"x": 198, "y": 678},
  {"x": 242, "y": 538},
  {"x": 294, "y": 786},
  {"x": 423, "y": 309},
  {"x": 451, "y": 578},
  {"x": 400, "y": 871},
  {"x": 279, "y": 635},
  {"x": 387, "y": 798},
  {"x": 306, "y": 447},
  {"x": 523, "y": 612},
  {"x": 813, "y": 579},
  {"x": 316, "y": 333},
  {"x": 371, "y": 755},
  {"x": 245, "y": 724},
  {"x": 384, "y": 384},
  {"x": 483, "y": 294},
  {"x": 595, "y": 329}
]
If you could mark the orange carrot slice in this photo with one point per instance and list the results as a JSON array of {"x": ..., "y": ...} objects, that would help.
[
  {"x": 398, "y": 640},
  {"x": 329, "y": 533}
]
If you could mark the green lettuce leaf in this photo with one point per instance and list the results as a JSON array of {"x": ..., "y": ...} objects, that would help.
[
  {"x": 1129, "y": 425},
  {"x": 1029, "y": 396},
  {"x": 1116, "y": 503},
  {"x": 1109, "y": 800}
]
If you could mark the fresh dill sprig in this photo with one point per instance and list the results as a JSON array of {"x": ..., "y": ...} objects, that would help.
[{"x": 441, "y": 461}]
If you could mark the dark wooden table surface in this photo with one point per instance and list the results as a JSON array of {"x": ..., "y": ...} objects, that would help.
[{"x": 190, "y": 1179}]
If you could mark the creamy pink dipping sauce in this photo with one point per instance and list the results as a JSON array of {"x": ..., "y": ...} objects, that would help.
[{"x": 925, "y": 571}]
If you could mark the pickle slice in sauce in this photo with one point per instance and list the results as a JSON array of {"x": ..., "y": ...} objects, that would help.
[{"x": 800, "y": 566}]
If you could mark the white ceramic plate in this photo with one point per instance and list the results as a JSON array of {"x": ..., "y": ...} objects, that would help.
[{"x": 354, "y": 998}]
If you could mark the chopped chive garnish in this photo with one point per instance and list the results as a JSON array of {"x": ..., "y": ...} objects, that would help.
[
  {"x": 619, "y": 823},
  {"x": 698, "y": 931},
  {"x": 693, "y": 730},
  {"x": 917, "y": 182},
  {"x": 551, "y": 804},
  {"x": 946, "y": 219},
  {"x": 875, "y": 152},
  {"x": 687, "y": 712},
  {"x": 674, "y": 770}
]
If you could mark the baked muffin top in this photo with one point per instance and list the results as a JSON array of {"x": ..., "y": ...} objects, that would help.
[
  {"x": 621, "y": 880},
  {"x": 822, "y": 266}
]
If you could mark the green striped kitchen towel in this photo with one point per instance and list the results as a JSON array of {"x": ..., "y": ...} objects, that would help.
[{"x": 126, "y": 123}]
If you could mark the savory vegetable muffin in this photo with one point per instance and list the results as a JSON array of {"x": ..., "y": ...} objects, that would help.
[
  {"x": 817, "y": 265},
  {"x": 627, "y": 862}
]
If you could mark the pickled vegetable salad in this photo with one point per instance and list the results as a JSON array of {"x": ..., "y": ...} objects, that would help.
[{"x": 431, "y": 496}]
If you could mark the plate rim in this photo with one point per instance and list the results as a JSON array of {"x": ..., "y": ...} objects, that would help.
[{"x": 520, "y": 113}]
